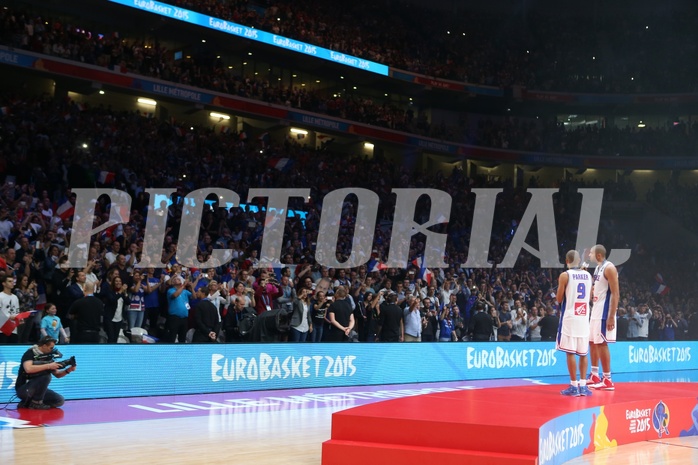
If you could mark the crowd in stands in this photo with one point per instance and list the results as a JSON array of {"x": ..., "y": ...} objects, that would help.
[
  {"x": 548, "y": 48},
  {"x": 48, "y": 147},
  {"x": 53, "y": 37}
]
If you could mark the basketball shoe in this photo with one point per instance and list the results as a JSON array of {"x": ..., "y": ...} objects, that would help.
[
  {"x": 585, "y": 391},
  {"x": 572, "y": 391},
  {"x": 605, "y": 385}
]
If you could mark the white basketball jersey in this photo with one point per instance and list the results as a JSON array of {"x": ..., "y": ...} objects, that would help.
[
  {"x": 602, "y": 293},
  {"x": 575, "y": 305}
]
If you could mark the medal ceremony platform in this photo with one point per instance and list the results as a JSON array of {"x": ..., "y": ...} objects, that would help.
[
  {"x": 523, "y": 425},
  {"x": 335, "y": 404}
]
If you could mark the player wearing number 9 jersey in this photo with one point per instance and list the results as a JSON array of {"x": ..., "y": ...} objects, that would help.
[
  {"x": 574, "y": 287},
  {"x": 574, "y": 318}
]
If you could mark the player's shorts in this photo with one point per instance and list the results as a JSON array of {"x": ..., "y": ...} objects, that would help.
[
  {"x": 572, "y": 345},
  {"x": 598, "y": 333}
]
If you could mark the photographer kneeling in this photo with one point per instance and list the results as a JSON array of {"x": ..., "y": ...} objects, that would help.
[{"x": 34, "y": 376}]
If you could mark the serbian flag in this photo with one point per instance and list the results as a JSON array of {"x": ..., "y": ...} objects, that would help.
[
  {"x": 281, "y": 164},
  {"x": 65, "y": 210},
  {"x": 106, "y": 177},
  {"x": 659, "y": 287},
  {"x": 7, "y": 325}
]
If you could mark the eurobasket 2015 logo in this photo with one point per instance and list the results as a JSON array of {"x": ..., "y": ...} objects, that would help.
[{"x": 661, "y": 418}]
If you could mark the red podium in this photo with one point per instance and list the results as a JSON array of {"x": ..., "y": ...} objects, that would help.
[{"x": 531, "y": 425}]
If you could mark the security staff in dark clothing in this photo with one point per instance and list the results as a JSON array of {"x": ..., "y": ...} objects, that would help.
[
  {"x": 208, "y": 320},
  {"x": 87, "y": 313},
  {"x": 391, "y": 327},
  {"x": 549, "y": 324},
  {"x": 480, "y": 327}
]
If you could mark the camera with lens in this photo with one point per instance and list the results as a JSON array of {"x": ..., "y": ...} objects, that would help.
[
  {"x": 51, "y": 358},
  {"x": 69, "y": 362}
]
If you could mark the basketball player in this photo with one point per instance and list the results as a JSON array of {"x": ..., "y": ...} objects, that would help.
[
  {"x": 603, "y": 318},
  {"x": 573, "y": 291}
]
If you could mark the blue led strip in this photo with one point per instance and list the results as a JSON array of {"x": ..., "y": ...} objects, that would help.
[{"x": 188, "y": 16}]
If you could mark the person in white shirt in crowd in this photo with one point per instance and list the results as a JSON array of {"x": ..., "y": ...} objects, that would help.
[{"x": 413, "y": 320}]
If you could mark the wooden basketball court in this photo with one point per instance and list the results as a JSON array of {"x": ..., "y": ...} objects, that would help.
[{"x": 197, "y": 429}]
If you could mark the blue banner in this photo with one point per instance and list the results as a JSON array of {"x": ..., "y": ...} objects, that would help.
[
  {"x": 11, "y": 58},
  {"x": 125, "y": 370},
  {"x": 322, "y": 123},
  {"x": 182, "y": 93},
  {"x": 257, "y": 35}
]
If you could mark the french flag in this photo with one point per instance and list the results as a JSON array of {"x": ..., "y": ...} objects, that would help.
[
  {"x": 281, "y": 164},
  {"x": 264, "y": 139},
  {"x": 425, "y": 273},
  {"x": 659, "y": 286},
  {"x": 375, "y": 265},
  {"x": 4, "y": 110},
  {"x": 7, "y": 326},
  {"x": 106, "y": 177},
  {"x": 65, "y": 210}
]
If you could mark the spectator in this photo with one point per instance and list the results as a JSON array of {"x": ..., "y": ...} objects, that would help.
[
  {"x": 480, "y": 327},
  {"x": 136, "y": 309},
  {"x": 27, "y": 295},
  {"x": 87, "y": 314},
  {"x": 340, "y": 317},
  {"x": 116, "y": 302},
  {"x": 549, "y": 324},
  {"x": 9, "y": 306},
  {"x": 391, "y": 327},
  {"x": 412, "y": 320},
  {"x": 319, "y": 315},
  {"x": 265, "y": 291},
  {"x": 178, "y": 297},
  {"x": 51, "y": 325},
  {"x": 301, "y": 319},
  {"x": 208, "y": 317}
]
